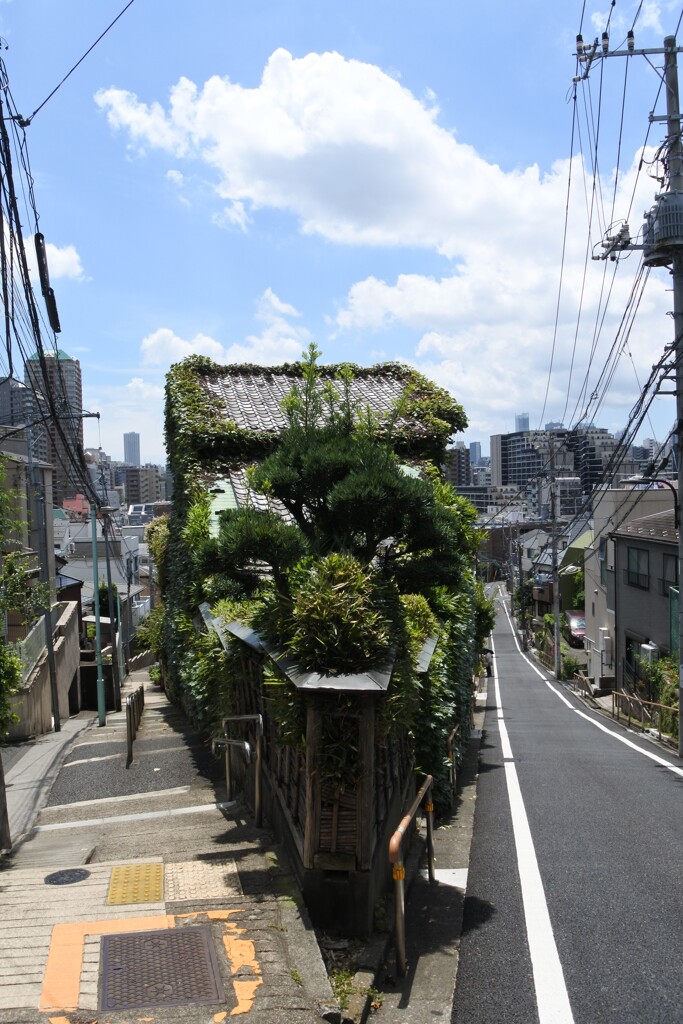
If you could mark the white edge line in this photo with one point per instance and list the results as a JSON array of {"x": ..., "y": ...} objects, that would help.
[
  {"x": 598, "y": 725},
  {"x": 552, "y": 999}
]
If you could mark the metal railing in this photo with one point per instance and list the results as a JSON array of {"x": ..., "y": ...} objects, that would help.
[
  {"x": 250, "y": 753},
  {"x": 398, "y": 867},
  {"x": 135, "y": 705},
  {"x": 633, "y": 708},
  {"x": 30, "y": 649},
  {"x": 581, "y": 684}
]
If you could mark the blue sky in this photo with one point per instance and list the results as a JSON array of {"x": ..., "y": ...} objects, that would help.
[{"x": 388, "y": 180}]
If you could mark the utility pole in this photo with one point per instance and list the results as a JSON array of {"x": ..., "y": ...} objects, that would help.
[
  {"x": 556, "y": 574},
  {"x": 673, "y": 115},
  {"x": 522, "y": 593},
  {"x": 662, "y": 246},
  {"x": 101, "y": 703},
  {"x": 112, "y": 637}
]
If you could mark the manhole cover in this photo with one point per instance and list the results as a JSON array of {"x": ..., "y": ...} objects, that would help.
[
  {"x": 67, "y": 877},
  {"x": 162, "y": 968}
]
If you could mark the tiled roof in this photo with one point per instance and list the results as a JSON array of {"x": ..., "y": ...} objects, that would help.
[
  {"x": 231, "y": 490},
  {"x": 660, "y": 526},
  {"x": 253, "y": 400}
]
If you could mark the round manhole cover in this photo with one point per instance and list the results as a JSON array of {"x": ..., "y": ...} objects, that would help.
[{"x": 67, "y": 877}]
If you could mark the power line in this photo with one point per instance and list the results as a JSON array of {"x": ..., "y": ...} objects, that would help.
[{"x": 25, "y": 122}]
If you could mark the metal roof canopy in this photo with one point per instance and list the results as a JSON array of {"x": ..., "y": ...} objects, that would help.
[{"x": 376, "y": 680}]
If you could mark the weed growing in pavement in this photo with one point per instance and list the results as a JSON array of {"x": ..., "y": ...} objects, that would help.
[{"x": 341, "y": 981}]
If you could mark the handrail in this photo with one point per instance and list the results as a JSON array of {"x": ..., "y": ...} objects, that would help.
[
  {"x": 227, "y": 742},
  {"x": 619, "y": 697},
  {"x": 582, "y": 684},
  {"x": 399, "y": 871},
  {"x": 135, "y": 705}
]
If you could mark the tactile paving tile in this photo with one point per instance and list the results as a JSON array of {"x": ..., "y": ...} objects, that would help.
[
  {"x": 174, "y": 967},
  {"x": 201, "y": 880},
  {"x": 137, "y": 883}
]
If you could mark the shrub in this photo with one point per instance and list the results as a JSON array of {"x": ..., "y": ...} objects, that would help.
[{"x": 332, "y": 620}]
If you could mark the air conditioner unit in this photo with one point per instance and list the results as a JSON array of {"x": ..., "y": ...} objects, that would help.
[{"x": 649, "y": 653}]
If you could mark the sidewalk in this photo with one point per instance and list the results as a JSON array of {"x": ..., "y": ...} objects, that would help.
[
  {"x": 434, "y": 915},
  {"x": 140, "y": 893}
]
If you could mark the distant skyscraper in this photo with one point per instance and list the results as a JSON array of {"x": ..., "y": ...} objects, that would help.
[
  {"x": 131, "y": 449},
  {"x": 475, "y": 453},
  {"x": 60, "y": 382},
  {"x": 521, "y": 421}
]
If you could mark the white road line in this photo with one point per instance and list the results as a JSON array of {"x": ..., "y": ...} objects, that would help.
[
  {"x": 176, "y": 811},
  {"x": 628, "y": 743},
  {"x": 158, "y": 794},
  {"x": 598, "y": 725},
  {"x": 552, "y": 999}
]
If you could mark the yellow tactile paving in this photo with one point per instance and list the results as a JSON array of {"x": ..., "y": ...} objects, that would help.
[{"x": 136, "y": 883}]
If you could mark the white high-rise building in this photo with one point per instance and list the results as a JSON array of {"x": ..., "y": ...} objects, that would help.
[{"x": 131, "y": 449}]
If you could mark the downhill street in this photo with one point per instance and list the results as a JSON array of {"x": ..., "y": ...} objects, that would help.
[{"x": 573, "y": 908}]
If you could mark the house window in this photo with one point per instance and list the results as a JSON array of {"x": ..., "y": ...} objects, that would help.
[
  {"x": 638, "y": 571},
  {"x": 669, "y": 572},
  {"x": 602, "y": 558}
]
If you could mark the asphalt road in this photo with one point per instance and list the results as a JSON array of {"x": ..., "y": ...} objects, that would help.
[{"x": 573, "y": 912}]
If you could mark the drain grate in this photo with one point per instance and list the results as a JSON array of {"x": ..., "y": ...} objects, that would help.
[
  {"x": 136, "y": 883},
  {"x": 176, "y": 967}
]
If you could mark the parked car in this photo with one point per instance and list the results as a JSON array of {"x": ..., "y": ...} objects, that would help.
[{"x": 574, "y": 627}]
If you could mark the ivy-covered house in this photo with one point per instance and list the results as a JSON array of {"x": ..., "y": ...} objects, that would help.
[{"x": 311, "y": 518}]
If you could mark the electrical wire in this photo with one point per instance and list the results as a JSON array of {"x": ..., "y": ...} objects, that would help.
[{"x": 25, "y": 122}]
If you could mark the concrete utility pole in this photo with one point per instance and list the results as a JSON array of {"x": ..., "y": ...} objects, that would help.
[
  {"x": 106, "y": 523},
  {"x": 556, "y": 572},
  {"x": 101, "y": 702},
  {"x": 662, "y": 246},
  {"x": 673, "y": 115}
]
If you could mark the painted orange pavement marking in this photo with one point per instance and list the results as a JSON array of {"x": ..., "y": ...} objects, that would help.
[
  {"x": 61, "y": 983},
  {"x": 62, "y": 978}
]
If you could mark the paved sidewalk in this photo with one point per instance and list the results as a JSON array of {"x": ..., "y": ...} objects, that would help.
[{"x": 140, "y": 893}]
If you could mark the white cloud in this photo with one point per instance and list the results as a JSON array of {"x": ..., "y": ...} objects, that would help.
[
  {"x": 493, "y": 320},
  {"x": 356, "y": 158},
  {"x": 163, "y": 347},
  {"x": 339, "y": 143},
  {"x": 278, "y": 342},
  {"x": 64, "y": 262}
]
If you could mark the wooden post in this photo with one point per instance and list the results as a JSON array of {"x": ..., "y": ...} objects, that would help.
[
  {"x": 314, "y": 728},
  {"x": 365, "y": 807}
]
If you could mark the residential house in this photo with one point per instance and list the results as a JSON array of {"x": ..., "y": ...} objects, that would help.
[
  {"x": 613, "y": 507},
  {"x": 645, "y": 593}
]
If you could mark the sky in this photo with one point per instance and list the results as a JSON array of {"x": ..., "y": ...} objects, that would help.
[{"x": 391, "y": 180}]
